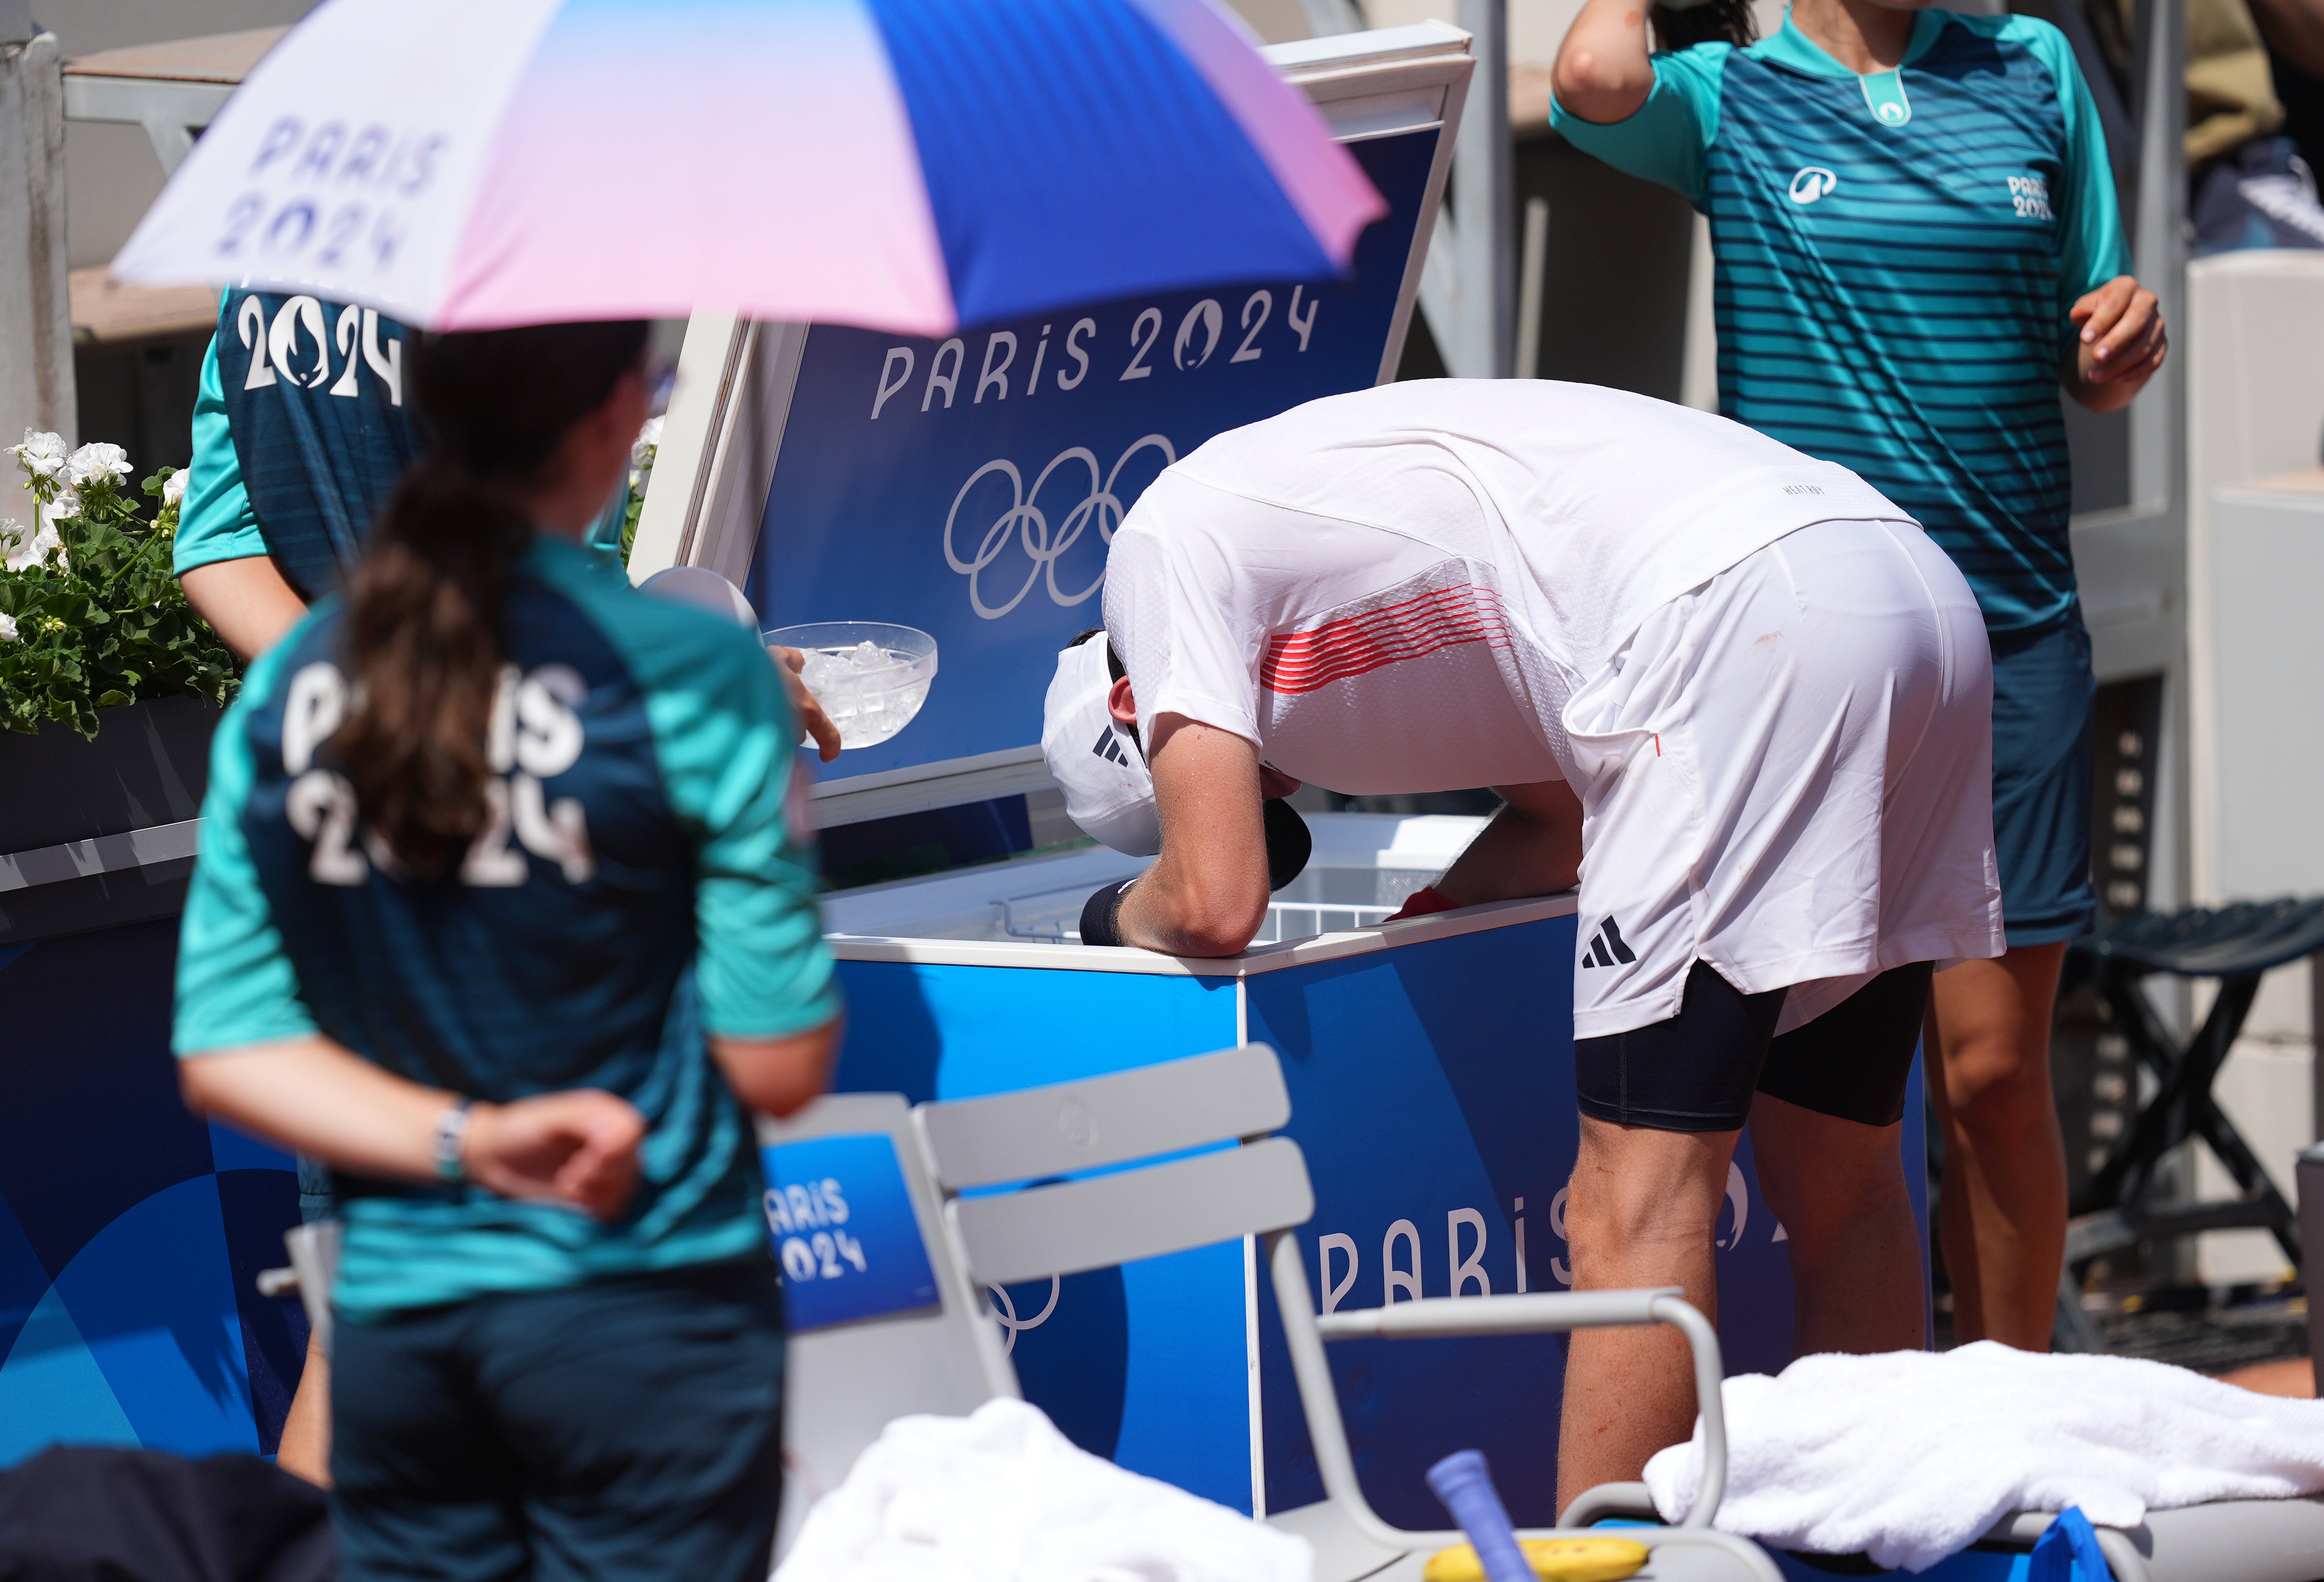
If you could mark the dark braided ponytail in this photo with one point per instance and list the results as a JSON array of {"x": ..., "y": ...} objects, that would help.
[
  {"x": 425, "y": 605},
  {"x": 1715, "y": 22}
]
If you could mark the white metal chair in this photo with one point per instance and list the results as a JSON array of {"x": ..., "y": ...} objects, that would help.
[
  {"x": 843, "y": 1384},
  {"x": 846, "y": 1382}
]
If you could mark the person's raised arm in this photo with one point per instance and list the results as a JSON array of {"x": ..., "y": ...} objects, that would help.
[
  {"x": 1207, "y": 894},
  {"x": 1603, "y": 73}
]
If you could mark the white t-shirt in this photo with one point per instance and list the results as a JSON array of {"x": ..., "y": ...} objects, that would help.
[{"x": 1397, "y": 589}]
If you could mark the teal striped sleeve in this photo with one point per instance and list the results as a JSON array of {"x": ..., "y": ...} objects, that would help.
[
  {"x": 1668, "y": 139},
  {"x": 725, "y": 742},
  {"x": 214, "y": 522},
  {"x": 235, "y": 985},
  {"x": 725, "y": 739},
  {"x": 2090, "y": 246}
]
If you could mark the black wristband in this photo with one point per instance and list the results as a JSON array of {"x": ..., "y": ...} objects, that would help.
[
  {"x": 1289, "y": 843},
  {"x": 1102, "y": 914}
]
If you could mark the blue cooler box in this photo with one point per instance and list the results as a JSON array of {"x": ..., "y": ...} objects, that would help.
[{"x": 1430, "y": 1066}]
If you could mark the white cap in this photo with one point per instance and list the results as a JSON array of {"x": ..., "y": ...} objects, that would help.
[{"x": 1108, "y": 791}]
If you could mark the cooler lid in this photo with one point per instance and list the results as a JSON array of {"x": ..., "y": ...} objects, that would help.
[{"x": 969, "y": 486}]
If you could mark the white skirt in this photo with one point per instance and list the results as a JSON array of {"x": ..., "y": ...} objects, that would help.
[{"x": 1787, "y": 774}]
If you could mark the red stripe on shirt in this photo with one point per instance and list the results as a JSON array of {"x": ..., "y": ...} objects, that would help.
[{"x": 1352, "y": 645}]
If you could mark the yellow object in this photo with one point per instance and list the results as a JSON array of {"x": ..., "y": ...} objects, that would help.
[{"x": 1553, "y": 1560}]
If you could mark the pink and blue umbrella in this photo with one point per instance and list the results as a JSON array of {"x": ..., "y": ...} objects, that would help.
[{"x": 910, "y": 165}]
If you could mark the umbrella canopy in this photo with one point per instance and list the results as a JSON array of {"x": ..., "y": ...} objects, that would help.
[{"x": 909, "y": 165}]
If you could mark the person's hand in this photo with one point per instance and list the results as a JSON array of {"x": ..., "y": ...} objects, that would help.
[
  {"x": 578, "y": 1147},
  {"x": 789, "y": 663},
  {"x": 2122, "y": 343}
]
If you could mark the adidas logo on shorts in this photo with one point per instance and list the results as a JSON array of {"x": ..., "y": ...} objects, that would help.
[
  {"x": 1109, "y": 749},
  {"x": 1606, "y": 947}
]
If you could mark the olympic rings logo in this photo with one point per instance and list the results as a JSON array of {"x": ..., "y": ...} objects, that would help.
[
  {"x": 1004, "y": 1314},
  {"x": 1025, "y": 523}
]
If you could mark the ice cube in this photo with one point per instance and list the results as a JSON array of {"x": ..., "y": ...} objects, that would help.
[{"x": 869, "y": 692}]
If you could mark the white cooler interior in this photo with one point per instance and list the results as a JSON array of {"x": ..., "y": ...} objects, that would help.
[{"x": 1364, "y": 865}]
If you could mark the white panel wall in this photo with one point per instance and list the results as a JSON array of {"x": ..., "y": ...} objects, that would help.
[{"x": 2254, "y": 345}]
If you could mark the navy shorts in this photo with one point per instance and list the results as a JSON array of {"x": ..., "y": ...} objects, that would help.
[
  {"x": 1699, "y": 1071},
  {"x": 2044, "y": 701},
  {"x": 629, "y": 1430}
]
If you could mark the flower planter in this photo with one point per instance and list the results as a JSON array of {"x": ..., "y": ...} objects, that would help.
[{"x": 147, "y": 769}]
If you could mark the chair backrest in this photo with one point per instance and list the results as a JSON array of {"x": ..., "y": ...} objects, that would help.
[
  {"x": 1163, "y": 1158},
  {"x": 844, "y": 1383},
  {"x": 1219, "y": 1178}
]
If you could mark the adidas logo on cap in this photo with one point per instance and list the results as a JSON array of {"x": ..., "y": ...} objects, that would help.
[{"x": 1109, "y": 748}]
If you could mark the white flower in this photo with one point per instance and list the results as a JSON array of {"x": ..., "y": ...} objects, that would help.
[
  {"x": 20, "y": 548},
  {"x": 173, "y": 487},
  {"x": 41, "y": 455},
  {"x": 8, "y": 627},
  {"x": 94, "y": 461},
  {"x": 641, "y": 453}
]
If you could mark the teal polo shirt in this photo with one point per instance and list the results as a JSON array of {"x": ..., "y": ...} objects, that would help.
[
  {"x": 648, "y": 883},
  {"x": 1896, "y": 257}
]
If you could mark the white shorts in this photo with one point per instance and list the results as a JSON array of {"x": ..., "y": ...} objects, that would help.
[{"x": 1786, "y": 774}]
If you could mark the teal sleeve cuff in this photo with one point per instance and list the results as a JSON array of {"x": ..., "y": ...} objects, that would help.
[
  {"x": 235, "y": 985},
  {"x": 214, "y": 521},
  {"x": 1668, "y": 140}
]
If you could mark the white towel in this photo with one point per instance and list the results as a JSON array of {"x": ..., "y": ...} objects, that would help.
[
  {"x": 1002, "y": 1496},
  {"x": 1912, "y": 1455}
]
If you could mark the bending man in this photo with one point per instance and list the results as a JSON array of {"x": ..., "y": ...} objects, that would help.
[{"x": 1734, "y": 690}]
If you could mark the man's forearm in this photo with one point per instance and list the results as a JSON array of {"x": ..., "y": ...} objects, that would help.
[
  {"x": 1524, "y": 851},
  {"x": 1161, "y": 912}
]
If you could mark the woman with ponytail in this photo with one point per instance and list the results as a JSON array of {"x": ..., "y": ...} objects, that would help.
[{"x": 499, "y": 911}]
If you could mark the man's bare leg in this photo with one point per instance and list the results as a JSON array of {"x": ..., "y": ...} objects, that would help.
[
  {"x": 1641, "y": 1211},
  {"x": 306, "y": 1448},
  {"x": 1839, "y": 1189},
  {"x": 2003, "y": 1219}
]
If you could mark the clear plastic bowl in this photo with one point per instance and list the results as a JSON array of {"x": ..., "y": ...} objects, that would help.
[{"x": 870, "y": 676}]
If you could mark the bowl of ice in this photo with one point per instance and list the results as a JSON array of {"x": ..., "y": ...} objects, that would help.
[{"x": 871, "y": 677}]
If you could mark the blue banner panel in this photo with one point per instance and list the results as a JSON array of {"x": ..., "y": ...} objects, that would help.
[
  {"x": 1146, "y": 1364},
  {"x": 970, "y": 487},
  {"x": 131, "y": 1233},
  {"x": 841, "y": 1221}
]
